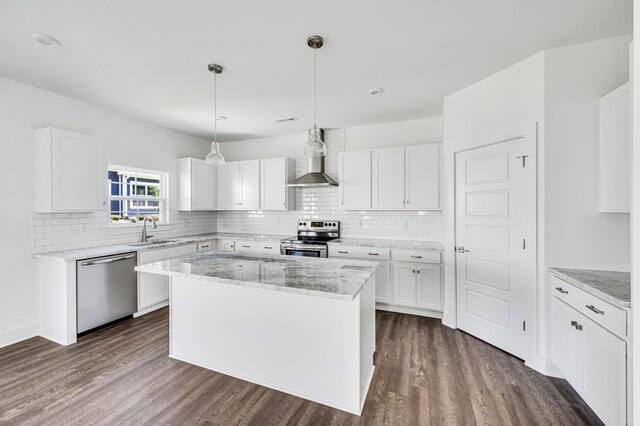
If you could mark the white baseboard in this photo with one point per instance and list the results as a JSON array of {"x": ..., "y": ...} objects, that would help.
[
  {"x": 151, "y": 309},
  {"x": 19, "y": 334},
  {"x": 410, "y": 311}
]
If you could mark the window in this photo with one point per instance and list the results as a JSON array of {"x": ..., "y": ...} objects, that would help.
[{"x": 136, "y": 194}]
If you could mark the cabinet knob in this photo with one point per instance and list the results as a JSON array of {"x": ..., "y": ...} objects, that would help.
[
  {"x": 406, "y": 202},
  {"x": 104, "y": 203}
]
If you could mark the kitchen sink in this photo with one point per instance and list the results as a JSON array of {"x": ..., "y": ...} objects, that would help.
[{"x": 151, "y": 243}]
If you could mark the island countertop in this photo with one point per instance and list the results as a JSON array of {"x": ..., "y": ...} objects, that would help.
[{"x": 331, "y": 278}]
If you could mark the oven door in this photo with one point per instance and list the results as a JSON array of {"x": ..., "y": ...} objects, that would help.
[{"x": 306, "y": 250}]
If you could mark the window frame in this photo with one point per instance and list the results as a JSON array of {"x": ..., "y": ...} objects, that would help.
[{"x": 163, "y": 200}]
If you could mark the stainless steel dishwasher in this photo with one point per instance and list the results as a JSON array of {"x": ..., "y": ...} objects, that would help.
[{"x": 107, "y": 289}]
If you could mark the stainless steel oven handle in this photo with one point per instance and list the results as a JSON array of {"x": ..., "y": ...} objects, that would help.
[{"x": 110, "y": 260}]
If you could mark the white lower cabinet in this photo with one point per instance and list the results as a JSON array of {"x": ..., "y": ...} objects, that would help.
[
  {"x": 592, "y": 359},
  {"x": 153, "y": 290},
  {"x": 406, "y": 280},
  {"x": 272, "y": 247},
  {"x": 416, "y": 285}
]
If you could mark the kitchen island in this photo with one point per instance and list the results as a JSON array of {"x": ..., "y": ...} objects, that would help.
[{"x": 303, "y": 326}]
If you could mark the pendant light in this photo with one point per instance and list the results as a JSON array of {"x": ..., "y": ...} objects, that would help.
[
  {"x": 315, "y": 147},
  {"x": 215, "y": 156}
]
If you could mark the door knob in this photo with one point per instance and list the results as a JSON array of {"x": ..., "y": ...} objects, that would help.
[{"x": 461, "y": 249}]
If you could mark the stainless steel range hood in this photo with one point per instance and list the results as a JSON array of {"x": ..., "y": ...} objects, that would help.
[{"x": 316, "y": 175}]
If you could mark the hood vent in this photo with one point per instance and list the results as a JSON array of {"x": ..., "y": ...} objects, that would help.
[{"x": 316, "y": 175}]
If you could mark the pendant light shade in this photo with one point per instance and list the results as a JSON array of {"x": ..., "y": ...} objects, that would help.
[
  {"x": 215, "y": 156},
  {"x": 315, "y": 147}
]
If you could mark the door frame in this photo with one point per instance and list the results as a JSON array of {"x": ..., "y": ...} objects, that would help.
[{"x": 534, "y": 232}]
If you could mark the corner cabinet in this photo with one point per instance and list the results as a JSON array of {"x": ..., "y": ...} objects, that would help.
[
  {"x": 615, "y": 151},
  {"x": 196, "y": 185},
  {"x": 71, "y": 172},
  {"x": 591, "y": 349},
  {"x": 354, "y": 189}
]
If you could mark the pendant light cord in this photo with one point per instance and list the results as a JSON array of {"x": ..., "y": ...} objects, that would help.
[
  {"x": 315, "y": 89},
  {"x": 215, "y": 107}
]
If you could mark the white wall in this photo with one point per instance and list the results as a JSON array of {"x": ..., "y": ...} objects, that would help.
[
  {"x": 559, "y": 90},
  {"x": 129, "y": 142},
  {"x": 500, "y": 103},
  {"x": 322, "y": 202},
  {"x": 577, "y": 234}
]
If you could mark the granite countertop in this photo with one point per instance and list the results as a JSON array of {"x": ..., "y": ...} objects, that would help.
[
  {"x": 86, "y": 253},
  {"x": 391, "y": 244},
  {"x": 331, "y": 278},
  {"x": 612, "y": 286}
]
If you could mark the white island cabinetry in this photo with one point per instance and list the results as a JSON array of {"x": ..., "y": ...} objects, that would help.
[{"x": 285, "y": 321}]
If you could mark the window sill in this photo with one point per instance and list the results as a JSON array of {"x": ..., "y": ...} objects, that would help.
[{"x": 138, "y": 225}]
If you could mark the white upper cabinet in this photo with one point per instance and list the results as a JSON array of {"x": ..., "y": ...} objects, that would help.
[
  {"x": 355, "y": 180},
  {"x": 228, "y": 186},
  {"x": 71, "y": 173},
  {"x": 275, "y": 174},
  {"x": 422, "y": 177},
  {"x": 387, "y": 175},
  {"x": 196, "y": 185},
  {"x": 406, "y": 178},
  {"x": 615, "y": 151},
  {"x": 249, "y": 185}
]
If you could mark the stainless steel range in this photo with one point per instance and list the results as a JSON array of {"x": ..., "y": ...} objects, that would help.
[{"x": 312, "y": 238}]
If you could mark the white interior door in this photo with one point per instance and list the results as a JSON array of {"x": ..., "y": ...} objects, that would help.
[{"x": 495, "y": 242}]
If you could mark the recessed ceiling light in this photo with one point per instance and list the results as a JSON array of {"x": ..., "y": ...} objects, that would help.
[
  {"x": 375, "y": 91},
  {"x": 221, "y": 117},
  {"x": 46, "y": 40},
  {"x": 284, "y": 120}
]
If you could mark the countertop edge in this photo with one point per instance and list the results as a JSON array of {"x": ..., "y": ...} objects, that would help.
[
  {"x": 252, "y": 284},
  {"x": 590, "y": 289}
]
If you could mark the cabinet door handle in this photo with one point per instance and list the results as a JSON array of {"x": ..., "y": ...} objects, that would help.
[
  {"x": 418, "y": 271},
  {"x": 373, "y": 254},
  {"x": 416, "y": 257},
  {"x": 413, "y": 271},
  {"x": 342, "y": 252},
  {"x": 246, "y": 246},
  {"x": 562, "y": 290},
  {"x": 268, "y": 248},
  {"x": 594, "y": 309},
  {"x": 576, "y": 325}
]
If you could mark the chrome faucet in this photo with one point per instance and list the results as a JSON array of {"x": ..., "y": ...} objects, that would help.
[{"x": 144, "y": 228}]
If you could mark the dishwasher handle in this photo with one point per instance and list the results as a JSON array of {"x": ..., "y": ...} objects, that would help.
[{"x": 108, "y": 260}]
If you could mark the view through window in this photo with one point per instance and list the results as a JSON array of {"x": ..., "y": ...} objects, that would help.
[{"x": 136, "y": 194}]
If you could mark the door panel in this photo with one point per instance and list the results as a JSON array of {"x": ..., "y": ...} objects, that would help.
[
  {"x": 404, "y": 284},
  {"x": 355, "y": 179},
  {"x": 422, "y": 177},
  {"x": 202, "y": 181},
  {"x": 388, "y": 178},
  {"x": 568, "y": 343},
  {"x": 250, "y": 185},
  {"x": 228, "y": 186},
  {"x": 273, "y": 181},
  {"x": 428, "y": 287},
  {"x": 495, "y": 211}
]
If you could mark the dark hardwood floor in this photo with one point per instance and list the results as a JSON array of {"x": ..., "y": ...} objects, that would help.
[{"x": 426, "y": 374}]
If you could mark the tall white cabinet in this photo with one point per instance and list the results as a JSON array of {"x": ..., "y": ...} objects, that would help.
[
  {"x": 275, "y": 174},
  {"x": 196, "y": 185},
  {"x": 71, "y": 172},
  {"x": 615, "y": 151},
  {"x": 354, "y": 189}
]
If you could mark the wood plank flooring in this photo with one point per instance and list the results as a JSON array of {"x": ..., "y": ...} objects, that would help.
[{"x": 426, "y": 374}]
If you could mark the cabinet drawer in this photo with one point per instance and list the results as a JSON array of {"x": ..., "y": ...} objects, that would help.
[
  {"x": 602, "y": 312},
  {"x": 206, "y": 245},
  {"x": 258, "y": 246},
  {"x": 369, "y": 253},
  {"x": 157, "y": 255},
  {"x": 415, "y": 256}
]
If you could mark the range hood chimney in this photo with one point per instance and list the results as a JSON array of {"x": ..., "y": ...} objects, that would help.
[{"x": 316, "y": 175}]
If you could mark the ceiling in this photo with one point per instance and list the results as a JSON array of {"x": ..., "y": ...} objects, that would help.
[{"x": 148, "y": 58}]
